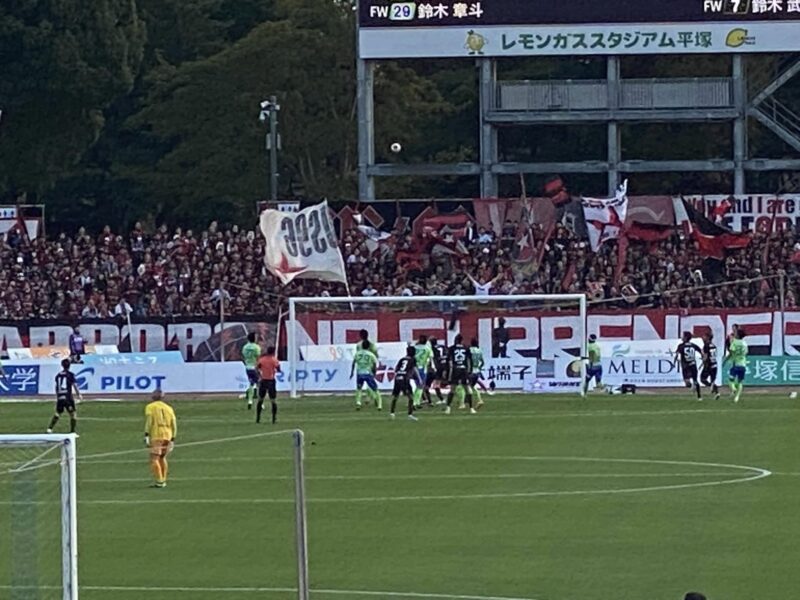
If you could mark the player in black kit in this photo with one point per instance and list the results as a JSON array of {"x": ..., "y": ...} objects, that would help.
[
  {"x": 708, "y": 376},
  {"x": 404, "y": 372},
  {"x": 686, "y": 359},
  {"x": 459, "y": 363},
  {"x": 65, "y": 384},
  {"x": 437, "y": 373}
]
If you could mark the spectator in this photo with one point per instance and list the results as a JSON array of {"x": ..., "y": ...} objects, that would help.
[
  {"x": 483, "y": 287},
  {"x": 220, "y": 293},
  {"x": 500, "y": 340},
  {"x": 485, "y": 236},
  {"x": 77, "y": 345},
  {"x": 122, "y": 308},
  {"x": 90, "y": 311}
]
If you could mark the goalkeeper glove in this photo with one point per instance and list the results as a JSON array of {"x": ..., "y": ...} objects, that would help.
[{"x": 146, "y": 440}]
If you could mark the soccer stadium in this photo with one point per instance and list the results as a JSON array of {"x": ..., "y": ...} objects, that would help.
[{"x": 483, "y": 300}]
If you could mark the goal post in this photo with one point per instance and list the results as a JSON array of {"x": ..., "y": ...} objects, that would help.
[
  {"x": 320, "y": 330},
  {"x": 38, "y": 499}
]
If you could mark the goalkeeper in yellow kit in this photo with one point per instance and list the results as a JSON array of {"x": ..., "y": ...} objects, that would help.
[{"x": 160, "y": 428}]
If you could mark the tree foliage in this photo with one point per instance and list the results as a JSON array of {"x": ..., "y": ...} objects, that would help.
[
  {"x": 63, "y": 63},
  {"x": 148, "y": 109},
  {"x": 201, "y": 150}
]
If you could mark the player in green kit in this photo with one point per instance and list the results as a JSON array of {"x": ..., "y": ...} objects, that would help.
[
  {"x": 423, "y": 354},
  {"x": 594, "y": 370},
  {"x": 737, "y": 354},
  {"x": 477, "y": 371},
  {"x": 363, "y": 336},
  {"x": 250, "y": 355},
  {"x": 365, "y": 363}
]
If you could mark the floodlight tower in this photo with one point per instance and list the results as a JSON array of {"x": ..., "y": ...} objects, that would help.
[{"x": 269, "y": 114}]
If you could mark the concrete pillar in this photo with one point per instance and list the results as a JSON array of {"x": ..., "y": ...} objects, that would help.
[
  {"x": 614, "y": 147},
  {"x": 739, "y": 124},
  {"x": 489, "y": 155},
  {"x": 365, "y": 74}
]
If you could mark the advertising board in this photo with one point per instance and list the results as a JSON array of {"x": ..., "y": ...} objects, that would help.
[
  {"x": 772, "y": 371},
  {"x": 26, "y": 379},
  {"x": 334, "y": 376},
  {"x": 756, "y": 212}
]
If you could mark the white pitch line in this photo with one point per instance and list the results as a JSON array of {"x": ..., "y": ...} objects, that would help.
[
  {"x": 760, "y": 474},
  {"x": 755, "y": 473},
  {"x": 347, "y": 417},
  {"x": 277, "y": 590},
  {"x": 411, "y": 477},
  {"x": 237, "y": 438},
  {"x": 405, "y": 457}
]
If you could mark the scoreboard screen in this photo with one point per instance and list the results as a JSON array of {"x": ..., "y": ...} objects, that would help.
[
  {"x": 444, "y": 13},
  {"x": 454, "y": 28}
]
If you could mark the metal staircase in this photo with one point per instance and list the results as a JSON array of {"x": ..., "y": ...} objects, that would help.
[
  {"x": 771, "y": 112},
  {"x": 780, "y": 119},
  {"x": 780, "y": 70}
]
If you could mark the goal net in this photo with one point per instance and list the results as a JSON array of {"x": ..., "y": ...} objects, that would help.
[
  {"x": 38, "y": 518},
  {"x": 525, "y": 339}
]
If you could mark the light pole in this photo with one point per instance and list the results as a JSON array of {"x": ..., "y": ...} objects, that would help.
[{"x": 269, "y": 113}]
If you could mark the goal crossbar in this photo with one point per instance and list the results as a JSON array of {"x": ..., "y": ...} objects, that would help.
[
  {"x": 291, "y": 325},
  {"x": 69, "y": 501}
]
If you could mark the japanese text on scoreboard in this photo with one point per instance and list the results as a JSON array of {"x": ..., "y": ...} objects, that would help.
[{"x": 457, "y": 28}]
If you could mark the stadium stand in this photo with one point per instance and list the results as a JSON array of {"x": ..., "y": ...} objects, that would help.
[{"x": 181, "y": 272}]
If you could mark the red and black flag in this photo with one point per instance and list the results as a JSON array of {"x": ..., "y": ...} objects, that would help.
[
  {"x": 713, "y": 239},
  {"x": 555, "y": 189}
]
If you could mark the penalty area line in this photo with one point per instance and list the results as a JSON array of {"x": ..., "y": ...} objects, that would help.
[{"x": 238, "y": 438}]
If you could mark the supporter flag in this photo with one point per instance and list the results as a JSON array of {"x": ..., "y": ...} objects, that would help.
[
  {"x": 374, "y": 237},
  {"x": 433, "y": 241},
  {"x": 524, "y": 251},
  {"x": 712, "y": 239},
  {"x": 605, "y": 218},
  {"x": 720, "y": 210},
  {"x": 302, "y": 245},
  {"x": 491, "y": 213},
  {"x": 556, "y": 191},
  {"x": 528, "y": 251},
  {"x": 650, "y": 218}
]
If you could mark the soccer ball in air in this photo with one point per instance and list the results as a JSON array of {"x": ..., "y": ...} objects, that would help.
[{"x": 396, "y": 147}]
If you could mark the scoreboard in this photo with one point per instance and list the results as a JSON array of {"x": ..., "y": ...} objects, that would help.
[
  {"x": 455, "y": 28},
  {"x": 445, "y": 13}
]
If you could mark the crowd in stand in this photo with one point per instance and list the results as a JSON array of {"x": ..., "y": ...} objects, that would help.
[
  {"x": 185, "y": 273},
  {"x": 669, "y": 274}
]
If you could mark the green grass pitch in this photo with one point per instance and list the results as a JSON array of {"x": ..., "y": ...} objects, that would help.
[{"x": 535, "y": 498}]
